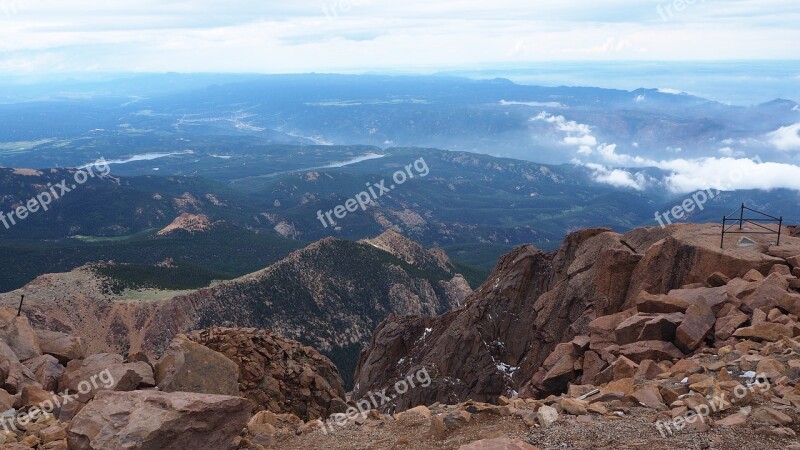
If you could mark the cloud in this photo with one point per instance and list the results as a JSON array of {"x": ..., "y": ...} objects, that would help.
[
  {"x": 360, "y": 35},
  {"x": 581, "y": 141},
  {"x": 618, "y": 177},
  {"x": 727, "y": 151},
  {"x": 536, "y": 104},
  {"x": 786, "y": 138},
  {"x": 728, "y": 173}
]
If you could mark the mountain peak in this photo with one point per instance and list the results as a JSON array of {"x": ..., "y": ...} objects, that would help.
[{"x": 193, "y": 223}]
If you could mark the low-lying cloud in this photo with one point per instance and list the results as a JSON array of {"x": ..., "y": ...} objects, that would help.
[
  {"x": 786, "y": 138},
  {"x": 730, "y": 172}
]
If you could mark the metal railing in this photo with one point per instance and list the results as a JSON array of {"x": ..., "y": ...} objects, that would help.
[{"x": 756, "y": 221}]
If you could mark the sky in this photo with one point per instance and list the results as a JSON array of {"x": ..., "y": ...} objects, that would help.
[{"x": 266, "y": 36}]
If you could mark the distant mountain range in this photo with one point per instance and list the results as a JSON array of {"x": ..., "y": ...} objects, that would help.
[{"x": 73, "y": 124}]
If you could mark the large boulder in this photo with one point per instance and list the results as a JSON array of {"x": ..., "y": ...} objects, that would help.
[
  {"x": 190, "y": 367},
  {"x": 61, "y": 345},
  {"x": 768, "y": 293},
  {"x": 648, "y": 327},
  {"x": 16, "y": 331},
  {"x": 692, "y": 332},
  {"x": 279, "y": 374},
  {"x": 158, "y": 420},
  {"x": 765, "y": 331},
  {"x": 652, "y": 350},
  {"x": 13, "y": 375},
  {"x": 47, "y": 370},
  {"x": 104, "y": 371}
]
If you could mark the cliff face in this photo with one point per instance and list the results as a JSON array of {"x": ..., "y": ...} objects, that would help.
[
  {"x": 330, "y": 295},
  {"x": 498, "y": 342}
]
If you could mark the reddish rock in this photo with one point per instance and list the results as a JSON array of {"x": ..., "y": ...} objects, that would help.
[
  {"x": 649, "y": 370},
  {"x": 190, "y": 367},
  {"x": 17, "y": 333},
  {"x": 61, "y": 345},
  {"x": 781, "y": 269},
  {"x": 650, "y": 397},
  {"x": 766, "y": 331},
  {"x": 620, "y": 369},
  {"x": 726, "y": 326},
  {"x": 790, "y": 302},
  {"x": 672, "y": 393},
  {"x": 279, "y": 374},
  {"x": 558, "y": 369},
  {"x": 653, "y": 350},
  {"x": 753, "y": 275},
  {"x": 151, "y": 419},
  {"x": 100, "y": 372},
  {"x": 593, "y": 364},
  {"x": 649, "y": 303},
  {"x": 602, "y": 331},
  {"x": 13, "y": 375},
  {"x": 733, "y": 421},
  {"x": 648, "y": 327},
  {"x": 47, "y": 371},
  {"x": 771, "y": 416},
  {"x": 712, "y": 298},
  {"x": 767, "y": 293},
  {"x": 717, "y": 279},
  {"x": 34, "y": 395},
  {"x": 502, "y": 443},
  {"x": 692, "y": 332},
  {"x": 686, "y": 367}
]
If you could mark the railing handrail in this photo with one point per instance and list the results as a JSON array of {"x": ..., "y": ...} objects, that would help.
[{"x": 752, "y": 221}]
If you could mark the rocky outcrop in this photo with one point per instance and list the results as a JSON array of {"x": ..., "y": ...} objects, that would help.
[
  {"x": 158, "y": 420},
  {"x": 61, "y": 345},
  {"x": 543, "y": 321},
  {"x": 192, "y": 223},
  {"x": 330, "y": 295},
  {"x": 17, "y": 331},
  {"x": 278, "y": 374},
  {"x": 190, "y": 367}
]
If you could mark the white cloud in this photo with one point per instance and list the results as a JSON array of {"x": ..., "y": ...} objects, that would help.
[
  {"x": 618, "y": 177},
  {"x": 581, "y": 141},
  {"x": 536, "y": 104},
  {"x": 357, "y": 35},
  {"x": 727, "y": 173},
  {"x": 639, "y": 99},
  {"x": 786, "y": 138},
  {"x": 727, "y": 151},
  {"x": 671, "y": 91}
]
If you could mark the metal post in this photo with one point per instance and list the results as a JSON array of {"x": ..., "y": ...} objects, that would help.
[
  {"x": 741, "y": 217},
  {"x": 722, "y": 242},
  {"x": 780, "y": 225},
  {"x": 19, "y": 311}
]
